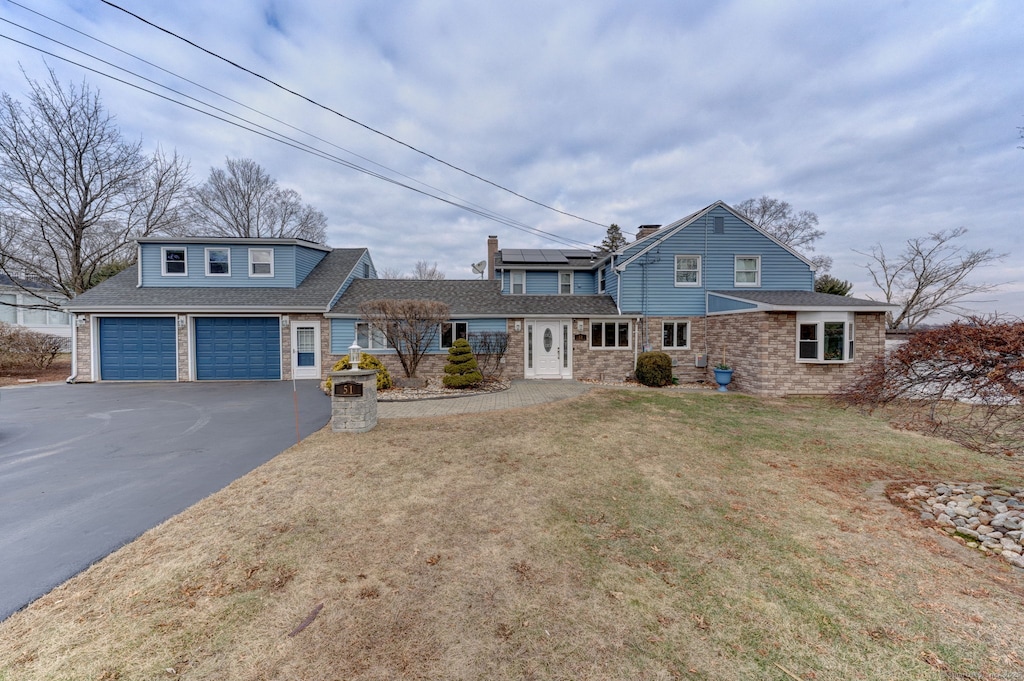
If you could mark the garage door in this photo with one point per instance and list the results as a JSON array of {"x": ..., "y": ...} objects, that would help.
[
  {"x": 238, "y": 348},
  {"x": 138, "y": 349}
]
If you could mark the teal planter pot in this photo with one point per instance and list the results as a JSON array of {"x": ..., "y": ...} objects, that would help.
[{"x": 723, "y": 377}]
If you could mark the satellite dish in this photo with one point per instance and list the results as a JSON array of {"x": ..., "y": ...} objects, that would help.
[{"x": 478, "y": 268}]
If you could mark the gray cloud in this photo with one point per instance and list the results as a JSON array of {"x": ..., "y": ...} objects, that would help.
[{"x": 889, "y": 120}]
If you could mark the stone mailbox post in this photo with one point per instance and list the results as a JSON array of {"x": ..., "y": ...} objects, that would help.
[{"x": 353, "y": 401}]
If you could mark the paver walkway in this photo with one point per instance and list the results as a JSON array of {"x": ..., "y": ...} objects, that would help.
[{"x": 522, "y": 393}]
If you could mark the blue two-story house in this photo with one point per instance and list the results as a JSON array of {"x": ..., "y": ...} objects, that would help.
[{"x": 706, "y": 289}]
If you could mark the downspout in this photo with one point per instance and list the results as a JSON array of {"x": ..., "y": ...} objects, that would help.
[
  {"x": 704, "y": 285},
  {"x": 74, "y": 350},
  {"x": 618, "y": 287}
]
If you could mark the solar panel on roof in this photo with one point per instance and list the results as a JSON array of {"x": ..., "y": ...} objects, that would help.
[{"x": 512, "y": 255}]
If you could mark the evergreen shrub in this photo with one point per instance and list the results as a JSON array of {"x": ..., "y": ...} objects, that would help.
[
  {"x": 366, "y": 362},
  {"x": 461, "y": 371},
  {"x": 654, "y": 369}
]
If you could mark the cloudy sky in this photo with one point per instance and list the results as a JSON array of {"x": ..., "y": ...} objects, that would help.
[{"x": 888, "y": 119}]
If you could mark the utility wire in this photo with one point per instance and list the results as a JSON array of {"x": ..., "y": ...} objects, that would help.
[
  {"x": 347, "y": 118},
  {"x": 245, "y": 106},
  {"x": 280, "y": 138}
]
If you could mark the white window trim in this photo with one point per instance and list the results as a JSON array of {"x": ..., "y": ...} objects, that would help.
[
  {"x": 603, "y": 323},
  {"x": 601, "y": 281},
  {"x": 455, "y": 333},
  {"x": 371, "y": 333},
  {"x": 735, "y": 271},
  {"x": 163, "y": 261},
  {"x": 675, "y": 271},
  {"x": 820, "y": 319},
  {"x": 675, "y": 324},
  {"x": 512, "y": 281},
  {"x": 572, "y": 283},
  {"x": 261, "y": 250},
  {"x": 206, "y": 256}
]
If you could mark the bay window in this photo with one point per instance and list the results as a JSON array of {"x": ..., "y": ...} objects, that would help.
[{"x": 824, "y": 337}]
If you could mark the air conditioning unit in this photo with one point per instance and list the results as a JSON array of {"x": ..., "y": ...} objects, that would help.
[{"x": 700, "y": 361}]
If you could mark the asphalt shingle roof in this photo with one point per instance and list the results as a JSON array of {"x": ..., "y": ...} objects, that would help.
[
  {"x": 471, "y": 297},
  {"x": 314, "y": 293}
]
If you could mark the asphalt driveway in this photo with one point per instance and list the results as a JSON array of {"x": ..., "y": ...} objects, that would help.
[{"x": 85, "y": 469}]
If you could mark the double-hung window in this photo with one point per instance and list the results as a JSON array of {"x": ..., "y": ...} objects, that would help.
[
  {"x": 453, "y": 331},
  {"x": 824, "y": 337},
  {"x": 565, "y": 283},
  {"x": 218, "y": 262},
  {"x": 369, "y": 337},
  {"x": 687, "y": 270},
  {"x": 675, "y": 335},
  {"x": 261, "y": 262},
  {"x": 600, "y": 280},
  {"x": 748, "y": 270},
  {"x": 172, "y": 262},
  {"x": 609, "y": 334},
  {"x": 517, "y": 282}
]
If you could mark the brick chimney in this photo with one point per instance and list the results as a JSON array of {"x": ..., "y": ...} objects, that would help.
[
  {"x": 646, "y": 230},
  {"x": 492, "y": 249}
]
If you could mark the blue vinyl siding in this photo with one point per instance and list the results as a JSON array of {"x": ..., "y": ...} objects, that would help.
[
  {"x": 285, "y": 266},
  {"x": 305, "y": 260},
  {"x": 238, "y": 348},
  {"x": 584, "y": 283},
  {"x": 343, "y": 332},
  {"x": 138, "y": 349},
  {"x": 718, "y": 304},
  {"x": 658, "y": 295}
]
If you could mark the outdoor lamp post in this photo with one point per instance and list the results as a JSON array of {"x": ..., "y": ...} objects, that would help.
[{"x": 354, "y": 351}]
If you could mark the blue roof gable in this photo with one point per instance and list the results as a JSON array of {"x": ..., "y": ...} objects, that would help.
[{"x": 713, "y": 249}]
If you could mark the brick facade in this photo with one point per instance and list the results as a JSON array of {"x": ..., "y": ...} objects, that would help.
[
  {"x": 761, "y": 349},
  {"x": 83, "y": 341}
]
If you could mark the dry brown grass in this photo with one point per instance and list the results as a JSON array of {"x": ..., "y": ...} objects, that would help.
[{"x": 621, "y": 535}]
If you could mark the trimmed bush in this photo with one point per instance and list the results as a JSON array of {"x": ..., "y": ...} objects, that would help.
[
  {"x": 461, "y": 371},
  {"x": 366, "y": 362},
  {"x": 654, "y": 369}
]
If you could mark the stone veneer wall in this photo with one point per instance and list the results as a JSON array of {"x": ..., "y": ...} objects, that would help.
[
  {"x": 600, "y": 364},
  {"x": 761, "y": 348},
  {"x": 84, "y": 347}
]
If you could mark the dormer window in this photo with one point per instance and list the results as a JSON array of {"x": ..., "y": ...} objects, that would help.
[
  {"x": 565, "y": 283},
  {"x": 172, "y": 262},
  {"x": 218, "y": 262},
  {"x": 261, "y": 262},
  {"x": 517, "y": 282}
]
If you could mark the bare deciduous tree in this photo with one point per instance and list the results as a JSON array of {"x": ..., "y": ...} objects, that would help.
[
  {"x": 421, "y": 270},
  {"x": 961, "y": 381},
  {"x": 424, "y": 270},
  {"x": 243, "y": 200},
  {"x": 928, "y": 277},
  {"x": 73, "y": 190},
  {"x": 798, "y": 230},
  {"x": 410, "y": 326}
]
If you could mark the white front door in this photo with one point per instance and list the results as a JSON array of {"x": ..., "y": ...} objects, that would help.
[
  {"x": 306, "y": 349},
  {"x": 547, "y": 349}
]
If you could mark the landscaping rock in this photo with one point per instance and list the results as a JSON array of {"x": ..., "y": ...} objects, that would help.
[{"x": 988, "y": 519}]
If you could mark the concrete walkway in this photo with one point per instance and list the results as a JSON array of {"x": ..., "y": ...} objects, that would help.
[{"x": 521, "y": 394}]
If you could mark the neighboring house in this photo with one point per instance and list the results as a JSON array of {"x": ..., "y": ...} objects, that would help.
[
  {"x": 19, "y": 299},
  {"x": 704, "y": 289},
  {"x": 214, "y": 309}
]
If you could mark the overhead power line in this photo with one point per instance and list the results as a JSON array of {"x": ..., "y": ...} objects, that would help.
[
  {"x": 347, "y": 118},
  {"x": 279, "y": 137},
  {"x": 479, "y": 210}
]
